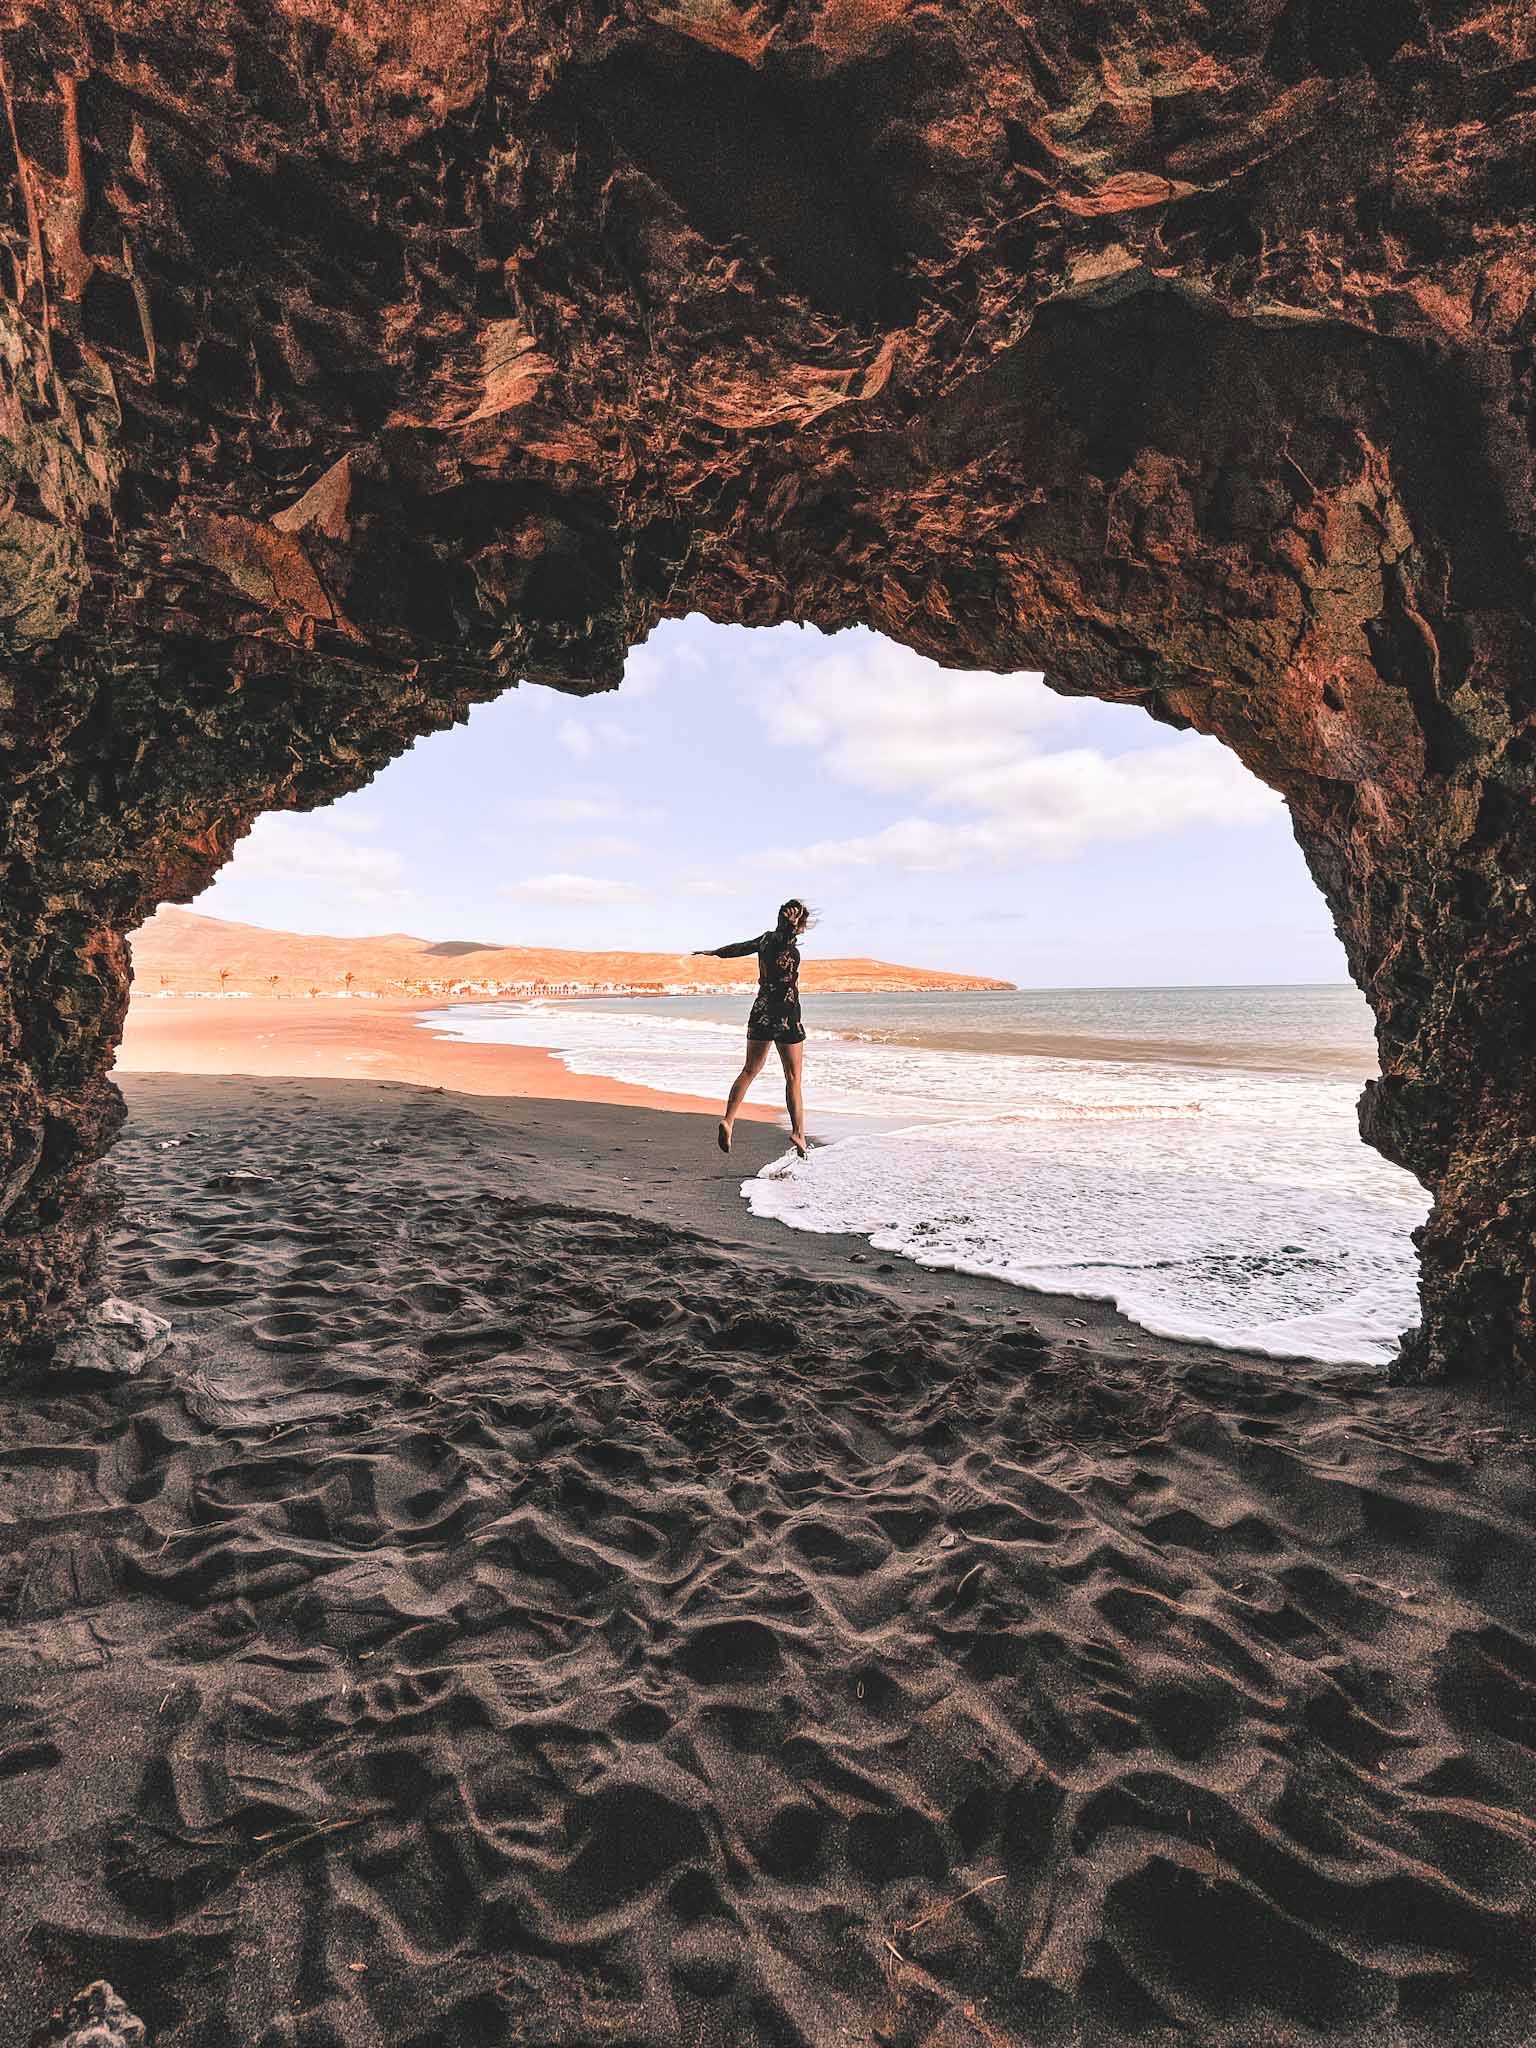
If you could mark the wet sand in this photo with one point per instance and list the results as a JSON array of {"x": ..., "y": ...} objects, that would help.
[
  {"x": 535, "y": 1601},
  {"x": 1345, "y": 1065}
]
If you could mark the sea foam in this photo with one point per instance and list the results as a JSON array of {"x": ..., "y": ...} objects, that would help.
[{"x": 1228, "y": 1204}]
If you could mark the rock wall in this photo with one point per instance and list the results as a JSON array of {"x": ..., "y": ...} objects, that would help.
[{"x": 357, "y": 362}]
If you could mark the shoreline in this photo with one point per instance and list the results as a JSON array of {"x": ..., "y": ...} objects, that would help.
[
  {"x": 362, "y": 1041},
  {"x": 382, "y": 1040}
]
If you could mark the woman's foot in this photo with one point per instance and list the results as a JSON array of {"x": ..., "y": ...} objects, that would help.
[
  {"x": 723, "y": 1135},
  {"x": 797, "y": 1139}
]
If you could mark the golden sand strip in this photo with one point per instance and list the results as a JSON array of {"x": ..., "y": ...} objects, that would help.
[{"x": 356, "y": 1040}]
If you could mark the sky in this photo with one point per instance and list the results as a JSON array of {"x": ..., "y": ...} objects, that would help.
[{"x": 973, "y": 822}]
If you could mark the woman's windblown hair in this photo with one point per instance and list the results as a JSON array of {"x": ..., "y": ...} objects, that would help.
[{"x": 793, "y": 913}]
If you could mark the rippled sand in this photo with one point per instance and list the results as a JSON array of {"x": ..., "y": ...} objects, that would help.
[{"x": 534, "y": 1602}]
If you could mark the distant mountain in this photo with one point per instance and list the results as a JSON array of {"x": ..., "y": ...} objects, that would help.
[{"x": 179, "y": 950}]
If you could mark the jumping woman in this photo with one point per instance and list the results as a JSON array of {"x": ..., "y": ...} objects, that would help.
[{"x": 775, "y": 1017}]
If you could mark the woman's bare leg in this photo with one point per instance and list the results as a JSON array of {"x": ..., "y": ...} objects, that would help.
[
  {"x": 794, "y": 1094},
  {"x": 751, "y": 1067}
]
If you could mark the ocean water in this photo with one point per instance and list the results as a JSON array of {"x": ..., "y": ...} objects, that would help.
[{"x": 1190, "y": 1154}]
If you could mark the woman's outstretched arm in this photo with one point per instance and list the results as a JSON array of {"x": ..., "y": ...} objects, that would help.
[{"x": 731, "y": 952}]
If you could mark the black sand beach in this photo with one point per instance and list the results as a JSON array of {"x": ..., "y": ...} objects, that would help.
[{"x": 534, "y": 1601}]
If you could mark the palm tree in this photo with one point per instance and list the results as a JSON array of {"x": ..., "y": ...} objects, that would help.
[
  {"x": 347, "y": 980},
  {"x": 224, "y": 973},
  {"x": 272, "y": 981},
  {"x": 313, "y": 993}
]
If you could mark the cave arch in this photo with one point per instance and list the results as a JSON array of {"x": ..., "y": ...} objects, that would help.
[{"x": 350, "y": 372}]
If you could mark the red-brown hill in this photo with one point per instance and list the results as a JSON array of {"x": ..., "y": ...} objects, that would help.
[{"x": 180, "y": 950}]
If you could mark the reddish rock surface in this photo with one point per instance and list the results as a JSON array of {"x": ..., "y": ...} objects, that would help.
[{"x": 354, "y": 363}]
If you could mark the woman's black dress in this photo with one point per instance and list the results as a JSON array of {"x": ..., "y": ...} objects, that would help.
[{"x": 776, "y": 1013}]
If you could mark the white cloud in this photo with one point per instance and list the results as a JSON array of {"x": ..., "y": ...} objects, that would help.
[
  {"x": 1188, "y": 781},
  {"x": 583, "y": 738},
  {"x": 284, "y": 848},
  {"x": 358, "y": 824},
  {"x": 886, "y": 720},
  {"x": 563, "y": 810},
  {"x": 572, "y": 889},
  {"x": 1050, "y": 807},
  {"x": 669, "y": 652},
  {"x": 593, "y": 805},
  {"x": 605, "y": 846}
]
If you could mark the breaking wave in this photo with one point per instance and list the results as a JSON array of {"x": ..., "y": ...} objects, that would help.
[{"x": 1226, "y": 1203}]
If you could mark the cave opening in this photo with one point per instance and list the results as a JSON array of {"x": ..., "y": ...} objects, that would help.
[{"x": 1162, "y": 1113}]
